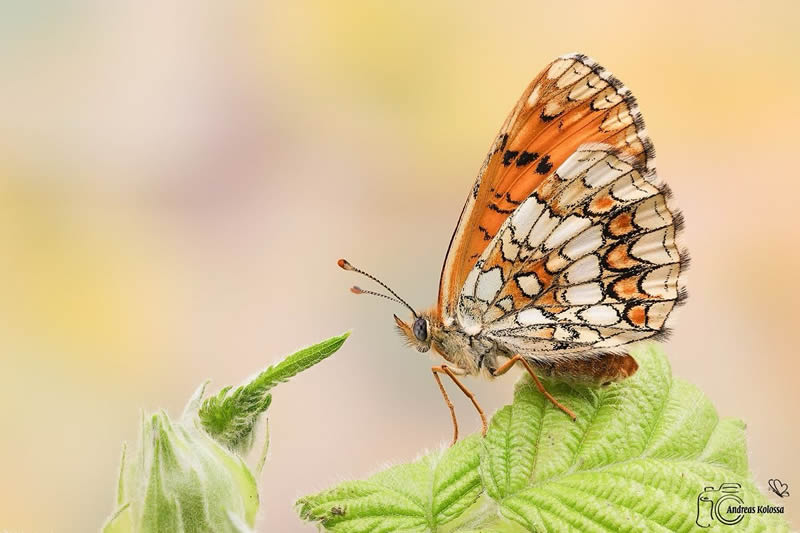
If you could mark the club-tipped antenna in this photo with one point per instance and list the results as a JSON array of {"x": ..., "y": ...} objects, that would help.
[
  {"x": 345, "y": 265},
  {"x": 358, "y": 290}
]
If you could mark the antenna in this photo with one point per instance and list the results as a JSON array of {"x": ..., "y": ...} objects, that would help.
[
  {"x": 359, "y": 290},
  {"x": 345, "y": 265}
]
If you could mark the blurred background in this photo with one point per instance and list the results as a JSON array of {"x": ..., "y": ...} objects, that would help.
[{"x": 176, "y": 183}]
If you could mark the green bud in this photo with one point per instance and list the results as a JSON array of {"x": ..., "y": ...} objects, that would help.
[
  {"x": 188, "y": 476},
  {"x": 182, "y": 480}
]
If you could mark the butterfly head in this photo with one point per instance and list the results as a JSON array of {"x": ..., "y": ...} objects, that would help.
[{"x": 418, "y": 332}]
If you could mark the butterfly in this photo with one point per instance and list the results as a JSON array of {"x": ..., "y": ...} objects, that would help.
[{"x": 566, "y": 251}]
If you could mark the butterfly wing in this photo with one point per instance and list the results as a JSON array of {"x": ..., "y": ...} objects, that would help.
[
  {"x": 587, "y": 263},
  {"x": 576, "y": 260},
  {"x": 572, "y": 102}
]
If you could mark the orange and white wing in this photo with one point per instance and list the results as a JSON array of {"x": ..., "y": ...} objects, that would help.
[
  {"x": 587, "y": 259},
  {"x": 572, "y": 102}
]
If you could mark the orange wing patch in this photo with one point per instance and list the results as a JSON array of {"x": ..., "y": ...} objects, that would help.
[{"x": 572, "y": 102}]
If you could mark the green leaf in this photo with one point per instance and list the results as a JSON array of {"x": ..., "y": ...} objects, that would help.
[
  {"x": 638, "y": 458},
  {"x": 230, "y": 417},
  {"x": 420, "y": 496}
]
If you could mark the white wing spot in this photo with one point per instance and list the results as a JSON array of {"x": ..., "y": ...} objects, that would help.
[
  {"x": 529, "y": 285},
  {"x": 552, "y": 108},
  {"x": 469, "y": 283},
  {"x": 534, "y": 97},
  {"x": 578, "y": 71},
  {"x": 578, "y": 162},
  {"x": 524, "y": 216},
  {"x": 584, "y": 269},
  {"x": 604, "y": 172},
  {"x": 509, "y": 249},
  {"x": 570, "y": 227},
  {"x": 652, "y": 213},
  {"x": 585, "y": 294},
  {"x": 632, "y": 187},
  {"x": 506, "y": 304},
  {"x": 608, "y": 98},
  {"x": 542, "y": 229},
  {"x": 489, "y": 284},
  {"x": 585, "y": 243},
  {"x": 600, "y": 315},
  {"x": 590, "y": 87},
  {"x": 558, "y": 67},
  {"x": 563, "y": 333},
  {"x": 662, "y": 282},
  {"x": 655, "y": 247},
  {"x": 532, "y": 316}
]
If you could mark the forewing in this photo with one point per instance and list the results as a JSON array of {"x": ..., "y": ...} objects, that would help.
[
  {"x": 572, "y": 102},
  {"x": 588, "y": 262}
]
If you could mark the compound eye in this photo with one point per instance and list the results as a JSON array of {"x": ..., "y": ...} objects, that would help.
[{"x": 421, "y": 329}]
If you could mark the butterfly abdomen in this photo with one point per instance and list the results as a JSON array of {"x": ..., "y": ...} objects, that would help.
[{"x": 600, "y": 369}]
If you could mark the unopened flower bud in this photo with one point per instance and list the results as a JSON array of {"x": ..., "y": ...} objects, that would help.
[{"x": 182, "y": 480}]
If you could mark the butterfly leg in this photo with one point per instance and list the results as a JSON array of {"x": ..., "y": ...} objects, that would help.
[
  {"x": 444, "y": 369},
  {"x": 435, "y": 371},
  {"x": 505, "y": 367}
]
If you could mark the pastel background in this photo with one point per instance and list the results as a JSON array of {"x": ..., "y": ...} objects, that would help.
[{"x": 177, "y": 181}]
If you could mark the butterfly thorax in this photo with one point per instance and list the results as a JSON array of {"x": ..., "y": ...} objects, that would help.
[{"x": 469, "y": 353}]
